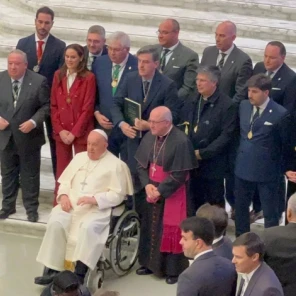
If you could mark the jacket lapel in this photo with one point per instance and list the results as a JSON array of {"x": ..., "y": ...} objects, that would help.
[
  {"x": 174, "y": 56},
  {"x": 230, "y": 61},
  {"x": 253, "y": 281},
  {"x": 7, "y": 94},
  {"x": 127, "y": 69},
  {"x": 47, "y": 54},
  {"x": 25, "y": 88}
]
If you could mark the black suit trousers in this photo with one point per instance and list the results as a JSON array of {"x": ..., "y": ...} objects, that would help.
[{"x": 20, "y": 169}]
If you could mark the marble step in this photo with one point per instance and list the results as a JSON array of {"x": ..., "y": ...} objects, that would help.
[
  {"x": 75, "y": 29},
  {"x": 257, "y": 27}
]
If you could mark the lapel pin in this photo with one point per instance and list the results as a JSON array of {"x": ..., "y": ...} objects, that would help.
[
  {"x": 129, "y": 67},
  {"x": 30, "y": 83},
  {"x": 212, "y": 105},
  {"x": 280, "y": 78},
  {"x": 232, "y": 62},
  {"x": 270, "y": 111},
  {"x": 173, "y": 59}
]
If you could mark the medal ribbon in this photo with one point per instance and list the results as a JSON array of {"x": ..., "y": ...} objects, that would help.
[{"x": 115, "y": 74}]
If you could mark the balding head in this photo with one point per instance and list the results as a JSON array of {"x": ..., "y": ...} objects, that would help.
[
  {"x": 96, "y": 145},
  {"x": 291, "y": 211},
  {"x": 225, "y": 35},
  {"x": 160, "y": 120}
]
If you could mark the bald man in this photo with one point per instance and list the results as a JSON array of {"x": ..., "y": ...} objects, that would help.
[
  {"x": 280, "y": 255},
  {"x": 236, "y": 68},
  {"x": 165, "y": 157},
  {"x": 78, "y": 227},
  {"x": 177, "y": 61}
]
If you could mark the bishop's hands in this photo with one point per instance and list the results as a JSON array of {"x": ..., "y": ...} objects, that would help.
[
  {"x": 65, "y": 203},
  {"x": 291, "y": 175},
  {"x": 67, "y": 137},
  {"x": 152, "y": 193},
  {"x": 3, "y": 124}
]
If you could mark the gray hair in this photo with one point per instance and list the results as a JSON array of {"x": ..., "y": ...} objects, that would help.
[
  {"x": 96, "y": 29},
  {"x": 122, "y": 37},
  {"x": 212, "y": 72},
  {"x": 19, "y": 52},
  {"x": 151, "y": 50},
  {"x": 292, "y": 203}
]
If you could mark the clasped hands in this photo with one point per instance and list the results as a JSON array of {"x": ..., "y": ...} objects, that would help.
[
  {"x": 25, "y": 127},
  {"x": 67, "y": 137},
  {"x": 291, "y": 175},
  {"x": 85, "y": 200},
  {"x": 152, "y": 193},
  {"x": 131, "y": 131}
]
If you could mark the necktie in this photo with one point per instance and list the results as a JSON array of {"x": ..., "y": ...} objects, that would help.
[
  {"x": 39, "y": 50},
  {"x": 93, "y": 59},
  {"x": 146, "y": 88},
  {"x": 269, "y": 73},
  {"x": 15, "y": 92},
  {"x": 221, "y": 62},
  {"x": 256, "y": 115},
  {"x": 240, "y": 289},
  {"x": 115, "y": 78},
  {"x": 163, "y": 59}
]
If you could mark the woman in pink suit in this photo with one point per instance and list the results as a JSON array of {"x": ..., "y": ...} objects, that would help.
[{"x": 72, "y": 107}]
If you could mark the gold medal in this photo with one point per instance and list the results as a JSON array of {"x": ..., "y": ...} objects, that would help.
[
  {"x": 196, "y": 129},
  {"x": 68, "y": 100},
  {"x": 250, "y": 135},
  {"x": 114, "y": 83}
]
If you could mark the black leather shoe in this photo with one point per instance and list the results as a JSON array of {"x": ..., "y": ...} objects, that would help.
[
  {"x": 33, "y": 217},
  {"x": 143, "y": 271},
  {"x": 171, "y": 280},
  {"x": 46, "y": 279},
  {"x": 5, "y": 214}
]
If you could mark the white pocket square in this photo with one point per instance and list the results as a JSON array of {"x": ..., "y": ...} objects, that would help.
[
  {"x": 176, "y": 67},
  {"x": 267, "y": 123},
  {"x": 276, "y": 88}
]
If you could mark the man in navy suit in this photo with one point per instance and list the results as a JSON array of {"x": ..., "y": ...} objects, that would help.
[
  {"x": 150, "y": 89},
  {"x": 255, "y": 278},
  {"x": 45, "y": 54},
  {"x": 259, "y": 158},
  {"x": 110, "y": 71},
  {"x": 222, "y": 245},
  {"x": 209, "y": 274},
  {"x": 95, "y": 45}
]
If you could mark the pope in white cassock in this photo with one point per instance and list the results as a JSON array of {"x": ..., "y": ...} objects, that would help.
[{"x": 78, "y": 227}]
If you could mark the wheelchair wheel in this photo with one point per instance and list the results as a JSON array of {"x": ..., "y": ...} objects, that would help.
[
  {"x": 124, "y": 245},
  {"x": 95, "y": 278}
]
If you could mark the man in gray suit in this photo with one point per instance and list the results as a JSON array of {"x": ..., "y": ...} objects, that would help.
[
  {"x": 209, "y": 274},
  {"x": 236, "y": 68},
  {"x": 24, "y": 103},
  {"x": 255, "y": 278},
  {"x": 222, "y": 245},
  {"x": 177, "y": 61}
]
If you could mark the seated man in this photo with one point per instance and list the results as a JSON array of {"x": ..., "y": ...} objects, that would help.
[
  {"x": 222, "y": 245},
  {"x": 280, "y": 247},
  {"x": 78, "y": 227},
  {"x": 209, "y": 274}
]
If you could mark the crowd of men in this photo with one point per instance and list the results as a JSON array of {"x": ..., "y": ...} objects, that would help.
[{"x": 206, "y": 132}]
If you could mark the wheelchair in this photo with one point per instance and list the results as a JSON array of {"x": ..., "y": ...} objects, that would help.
[{"x": 122, "y": 246}]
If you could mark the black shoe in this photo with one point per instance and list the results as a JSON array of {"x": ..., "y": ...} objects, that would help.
[
  {"x": 5, "y": 214},
  {"x": 171, "y": 280},
  {"x": 47, "y": 278},
  {"x": 33, "y": 217},
  {"x": 143, "y": 271},
  {"x": 81, "y": 271}
]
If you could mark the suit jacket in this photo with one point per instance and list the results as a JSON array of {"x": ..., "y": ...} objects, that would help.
[
  {"x": 163, "y": 92},
  {"x": 236, "y": 71},
  {"x": 259, "y": 158},
  {"x": 283, "y": 86},
  {"x": 102, "y": 68},
  {"x": 181, "y": 68},
  {"x": 218, "y": 122},
  {"x": 32, "y": 103},
  {"x": 76, "y": 117},
  {"x": 264, "y": 282},
  {"x": 86, "y": 51},
  {"x": 223, "y": 248},
  {"x": 280, "y": 255},
  {"x": 52, "y": 59},
  {"x": 208, "y": 275}
]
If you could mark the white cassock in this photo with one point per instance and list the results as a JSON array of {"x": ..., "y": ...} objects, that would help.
[{"x": 82, "y": 233}]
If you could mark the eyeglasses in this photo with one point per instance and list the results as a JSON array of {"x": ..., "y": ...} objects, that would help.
[
  {"x": 155, "y": 122},
  {"x": 115, "y": 49},
  {"x": 163, "y": 32}
]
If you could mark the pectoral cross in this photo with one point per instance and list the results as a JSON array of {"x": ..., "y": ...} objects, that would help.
[
  {"x": 83, "y": 184},
  {"x": 153, "y": 169}
]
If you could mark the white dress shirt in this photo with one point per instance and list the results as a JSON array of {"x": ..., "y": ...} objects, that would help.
[
  {"x": 169, "y": 54},
  {"x": 274, "y": 72},
  {"x": 121, "y": 69},
  {"x": 70, "y": 79},
  {"x": 200, "y": 254},
  {"x": 247, "y": 277},
  {"x": 217, "y": 239},
  {"x": 91, "y": 59},
  {"x": 227, "y": 52},
  {"x": 261, "y": 108},
  {"x": 44, "y": 40}
]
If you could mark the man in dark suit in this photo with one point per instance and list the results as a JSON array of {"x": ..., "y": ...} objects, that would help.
[
  {"x": 45, "y": 55},
  {"x": 209, "y": 274},
  {"x": 212, "y": 118},
  {"x": 283, "y": 91},
  {"x": 255, "y": 278},
  {"x": 259, "y": 158},
  {"x": 280, "y": 252},
  {"x": 110, "y": 70},
  {"x": 95, "y": 45},
  {"x": 24, "y": 103},
  {"x": 222, "y": 245},
  {"x": 177, "y": 61},
  {"x": 236, "y": 68},
  {"x": 148, "y": 88}
]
